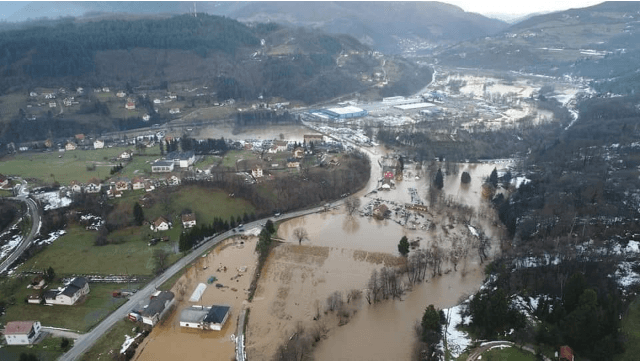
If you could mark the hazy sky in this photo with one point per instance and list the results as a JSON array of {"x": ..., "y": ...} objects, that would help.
[
  {"x": 519, "y": 7},
  {"x": 485, "y": 7}
]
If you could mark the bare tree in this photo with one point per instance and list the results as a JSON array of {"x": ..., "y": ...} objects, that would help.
[
  {"x": 335, "y": 301},
  {"x": 353, "y": 295},
  {"x": 374, "y": 287},
  {"x": 160, "y": 257},
  {"x": 352, "y": 205},
  {"x": 300, "y": 234}
]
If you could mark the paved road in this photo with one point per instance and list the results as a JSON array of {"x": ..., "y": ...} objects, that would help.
[
  {"x": 34, "y": 214},
  {"x": 139, "y": 298},
  {"x": 488, "y": 345}
]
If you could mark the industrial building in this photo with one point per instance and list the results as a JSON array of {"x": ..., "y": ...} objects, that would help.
[{"x": 345, "y": 112}]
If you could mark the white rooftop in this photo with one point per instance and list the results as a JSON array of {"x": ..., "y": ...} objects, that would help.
[
  {"x": 414, "y": 106},
  {"x": 346, "y": 110}
]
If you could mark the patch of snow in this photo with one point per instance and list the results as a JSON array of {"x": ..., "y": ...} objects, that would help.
[
  {"x": 518, "y": 181},
  {"x": 128, "y": 341},
  {"x": 627, "y": 273},
  {"x": 7, "y": 248},
  {"x": 473, "y": 231},
  {"x": 51, "y": 238},
  {"x": 53, "y": 200},
  {"x": 458, "y": 341}
]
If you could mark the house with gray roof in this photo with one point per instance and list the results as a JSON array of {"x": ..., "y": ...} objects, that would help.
[
  {"x": 158, "y": 305},
  {"x": 68, "y": 295},
  {"x": 205, "y": 318}
]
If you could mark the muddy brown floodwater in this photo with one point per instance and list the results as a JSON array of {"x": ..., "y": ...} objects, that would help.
[
  {"x": 169, "y": 341},
  {"x": 341, "y": 252}
]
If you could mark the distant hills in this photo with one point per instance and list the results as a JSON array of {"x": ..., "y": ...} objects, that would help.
[
  {"x": 601, "y": 42},
  {"x": 390, "y": 27}
]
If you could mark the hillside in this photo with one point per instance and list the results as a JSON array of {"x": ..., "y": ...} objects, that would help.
[
  {"x": 389, "y": 27},
  {"x": 601, "y": 42}
]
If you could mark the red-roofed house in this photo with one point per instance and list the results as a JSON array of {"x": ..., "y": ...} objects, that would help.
[
  {"x": 160, "y": 224},
  {"x": 566, "y": 353},
  {"x": 21, "y": 332}
]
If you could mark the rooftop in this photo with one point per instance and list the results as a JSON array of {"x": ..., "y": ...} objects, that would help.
[
  {"x": 157, "y": 304},
  {"x": 217, "y": 314},
  {"x": 18, "y": 327},
  {"x": 346, "y": 110}
]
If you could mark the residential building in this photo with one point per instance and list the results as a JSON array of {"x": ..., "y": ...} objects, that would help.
[
  {"x": 122, "y": 185},
  {"x": 130, "y": 105},
  {"x": 257, "y": 172},
  {"x": 99, "y": 144},
  {"x": 174, "y": 111},
  {"x": 52, "y": 104},
  {"x": 298, "y": 153},
  {"x": 75, "y": 186},
  {"x": 149, "y": 186},
  {"x": 21, "y": 332},
  {"x": 173, "y": 180},
  {"x": 70, "y": 146},
  {"x": 138, "y": 183},
  {"x": 146, "y": 117},
  {"x": 77, "y": 288},
  {"x": 160, "y": 224},
  {"x": 162, "y": 166},
  {"x": 93, "y": 186},
  {"x": 121, "y": 94},
  {"x": 189, "y": 220},
  {"x": 205, "y": 318},
  {"x": 158, "y": 305},
  {"x": 293, "y": 163},
  {"x": 281, "y": 145},
  {"x": 126, "y": 154}
]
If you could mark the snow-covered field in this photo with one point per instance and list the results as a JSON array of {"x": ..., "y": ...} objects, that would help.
[
  {"x": 6, "y": 249},
  {"x": 51, "y": 237},
  {"x": 53, "y": 200},
  {"x": 457, "y": 341}
]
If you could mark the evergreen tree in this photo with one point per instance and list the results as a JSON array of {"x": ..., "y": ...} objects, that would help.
[
  {"x": 50, "y": 274},
  {"x": 439, "y": 180},
  {"x": 269, "y": 225},
  {"x": 404, "y": 246},
  {"x": 139, "y": 216},
  {"x": 493, "y": 177},
  {"x": 162, "y": 149}
]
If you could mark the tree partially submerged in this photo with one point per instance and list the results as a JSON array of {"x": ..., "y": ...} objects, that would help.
[
  {"x": 352, "y": 205},
  {"x": 300, "y": 234}
]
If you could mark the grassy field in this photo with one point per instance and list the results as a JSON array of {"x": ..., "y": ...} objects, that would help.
[
  {"x": 80, "y": 317},
  {"x": 631, "y": 327},
  {"x": 140, "y": 165},
  {"x": 132, "y": 256},
  {"x": 61, "y": 167},
  {"x": 46, "y": 350},
  {"x": 508, "y": 354},
  {"x": 233, "y": 156},
  {"x": 110, "y": 343}
]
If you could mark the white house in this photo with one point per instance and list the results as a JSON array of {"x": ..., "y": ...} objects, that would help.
[
  {"x": 158, "y": 305},
  {"x": 93, "y": 186},
  {"x": 126, "y": 154},
  {"x": 189, "y": 220},
  {"x": 138, "y": 183},
  {"x": 205, "y": 318},
  {"x": 21, "y": 332},
  {"x": 257, "y": 172},
  {"x": 70, "y": 146},
  {"x": 174, "y": 111},
  {"x": 146, "y": 117},
  {"x": 121, "y": 94},
  {"x": 281, "y": 145},
  {"x": 160, "y": 224},
  {"x": 130, "y": 105},
  {"x": 77, "y": 288},
  {"x": 52, "y": 104},
  {"x": 99, "y": 144},
  {"x": 75, "y": 186}
]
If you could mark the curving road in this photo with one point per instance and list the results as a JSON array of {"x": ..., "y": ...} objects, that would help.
[
  {"x": 476, "y": 353},
  {"x": 34, "y": 214}
]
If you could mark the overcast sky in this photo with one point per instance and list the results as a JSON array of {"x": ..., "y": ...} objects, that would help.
[{"x": 517, "y": 8}]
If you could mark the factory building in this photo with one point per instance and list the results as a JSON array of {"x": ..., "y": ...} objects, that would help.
[{"x": 345, "y": 112}]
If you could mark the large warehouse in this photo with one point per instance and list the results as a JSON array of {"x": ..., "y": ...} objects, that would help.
[{"x": 346, "y": 112}]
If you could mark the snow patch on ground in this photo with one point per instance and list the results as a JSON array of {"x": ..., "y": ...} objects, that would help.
[
  {"x": 627, "y": 273},
  {"x": 518, "y": 181},
  {"x": 128, "y": 341},
  {"x": 7, "y": 248},
  {"x": 51, "y": 238},
  {"x": 473, "y": 231},
  {"x": 458, "y": 341},
  {"x": 53, "y": 200}
]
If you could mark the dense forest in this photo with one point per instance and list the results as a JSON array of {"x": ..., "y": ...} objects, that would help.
[{"x": 68, "y": 49}]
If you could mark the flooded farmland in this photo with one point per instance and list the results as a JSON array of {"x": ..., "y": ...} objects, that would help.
[{"x": 169, "y": 341}]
